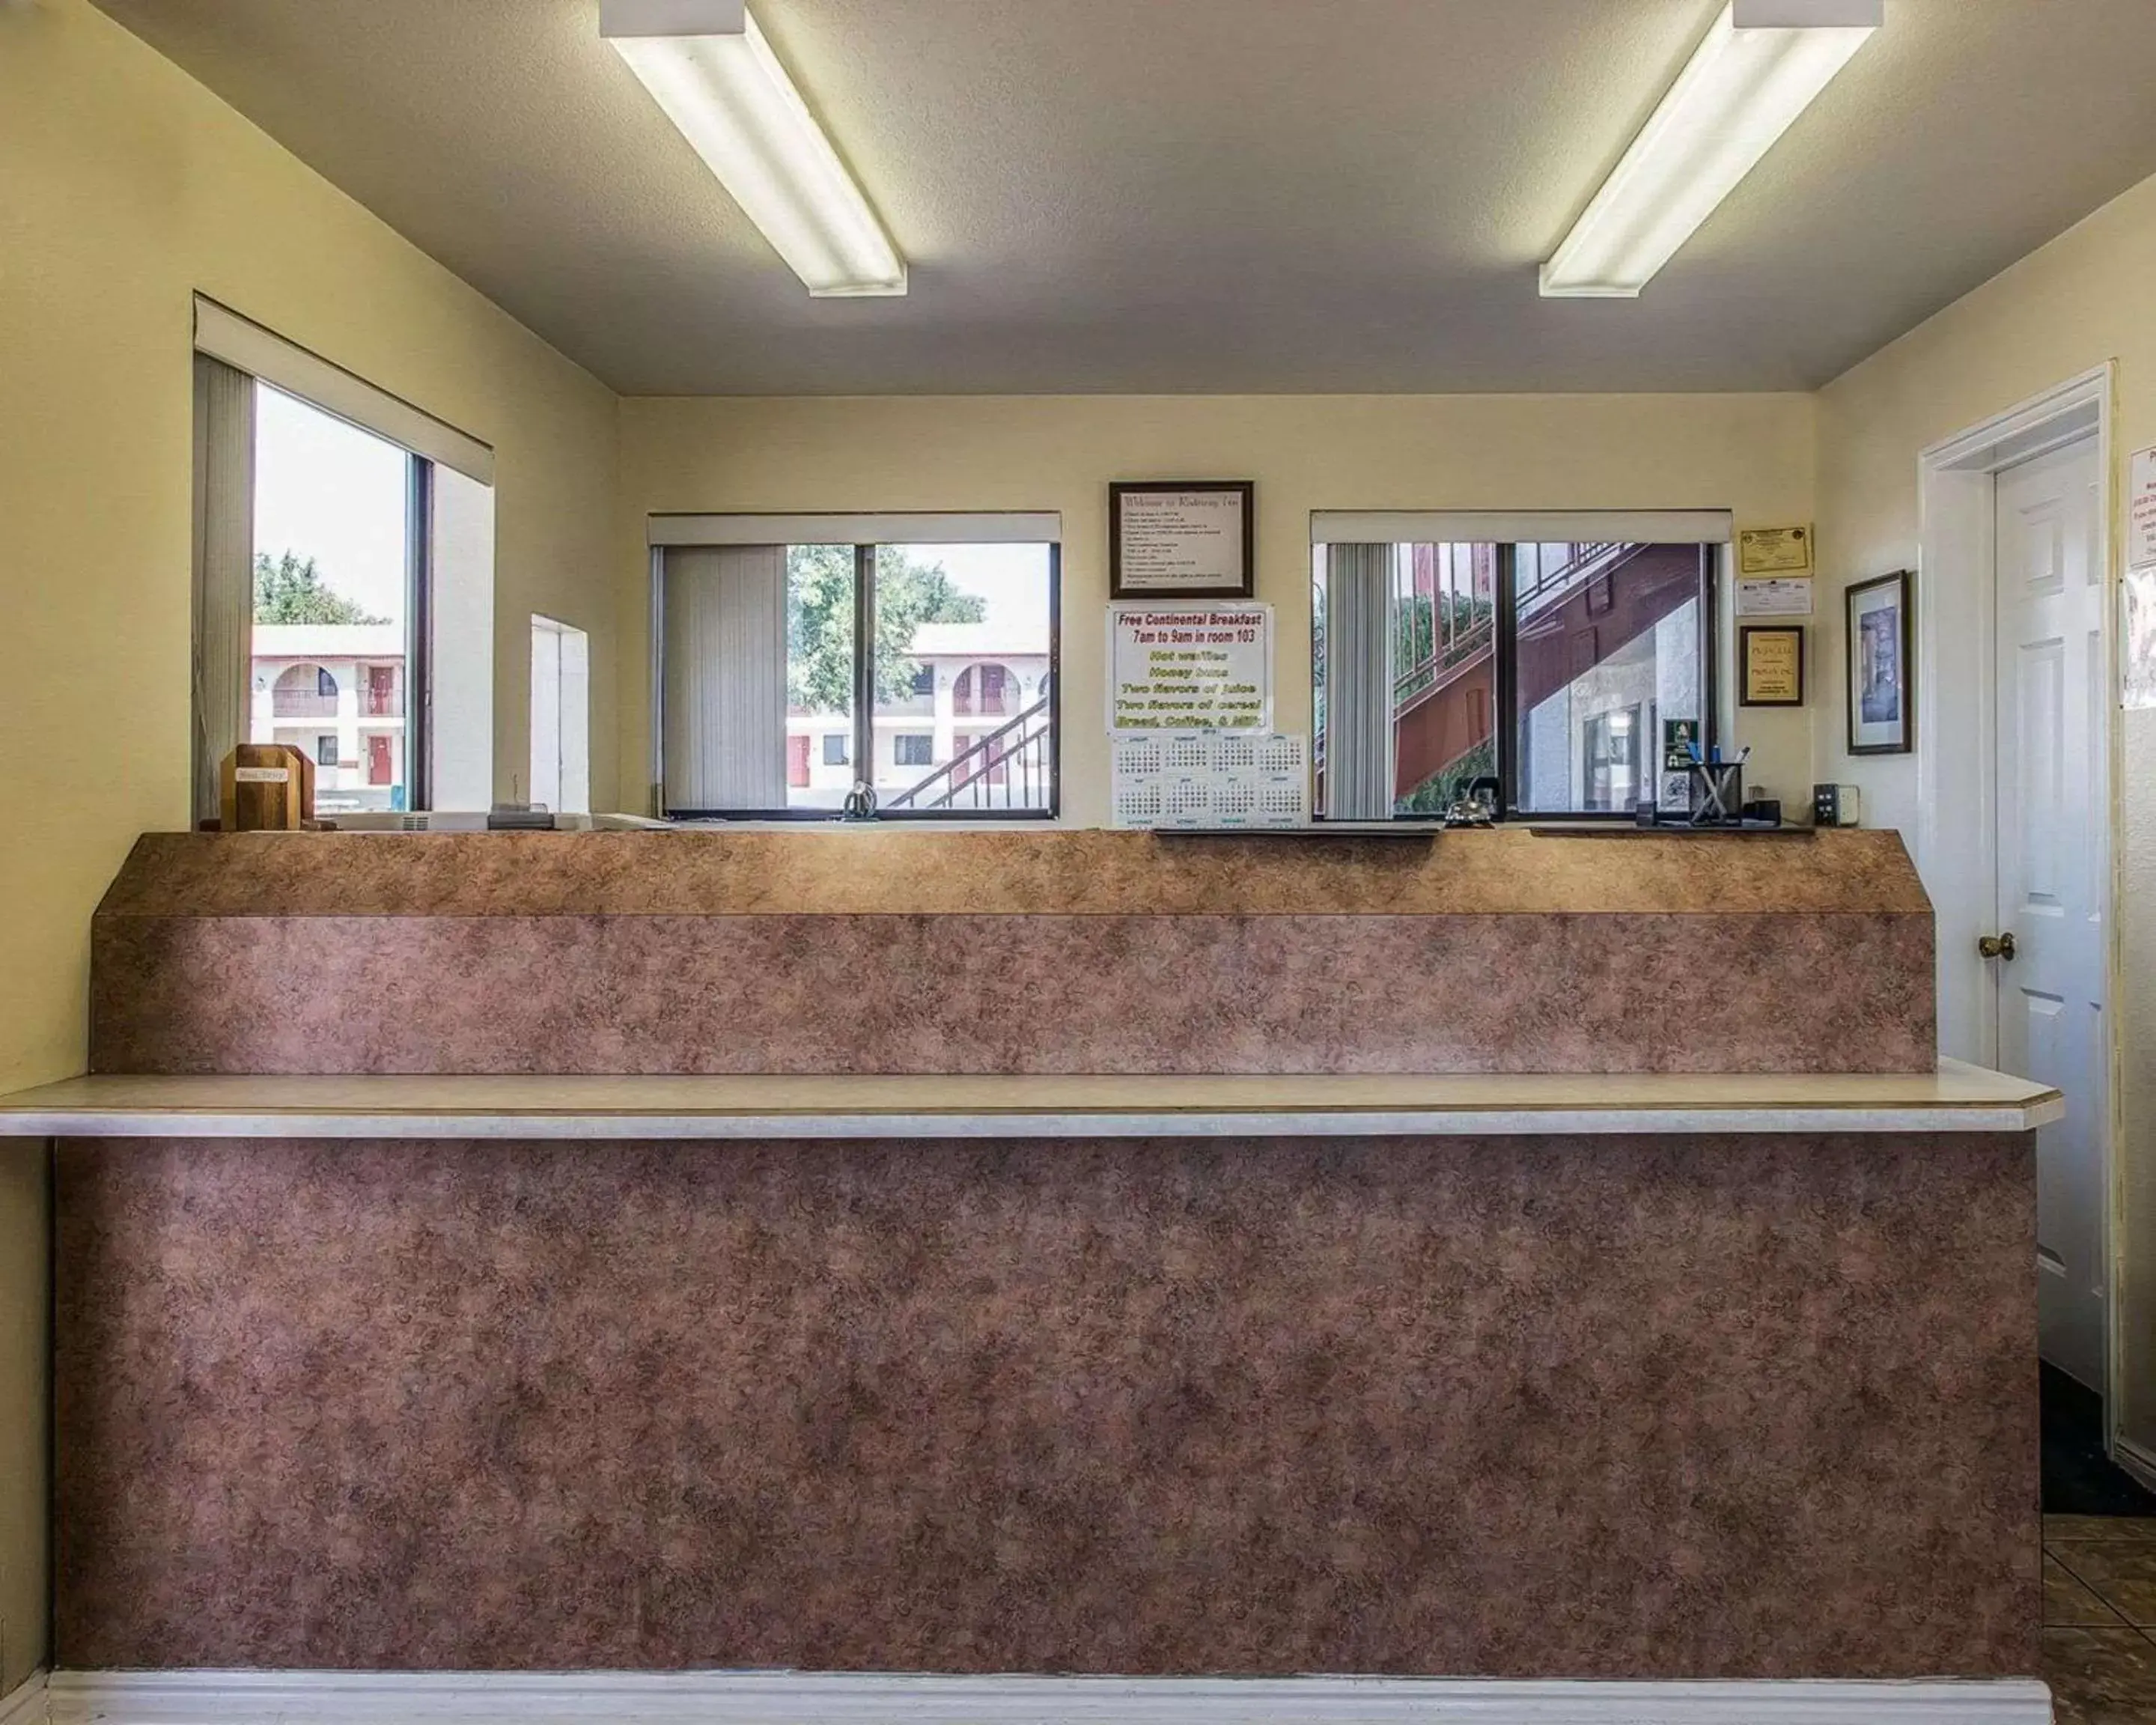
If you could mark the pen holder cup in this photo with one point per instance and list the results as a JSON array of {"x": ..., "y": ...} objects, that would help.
[{"x": 1718, "y": 794}]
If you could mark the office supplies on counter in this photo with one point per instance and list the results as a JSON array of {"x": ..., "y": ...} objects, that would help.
[{"x": 1718, "y": 793}]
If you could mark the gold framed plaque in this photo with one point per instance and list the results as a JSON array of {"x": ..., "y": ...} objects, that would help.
[{"x": 1770, "y": 665}]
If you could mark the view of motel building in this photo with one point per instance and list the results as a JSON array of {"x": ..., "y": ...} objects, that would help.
[
  {"x": 335, "y": 691},
  {"x": 973, "y": 682}
]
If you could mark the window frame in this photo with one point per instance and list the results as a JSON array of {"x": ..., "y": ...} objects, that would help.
[
  {"x": 1504, "y": 683},
  {"x": 864, "y": 692},
  {"x": 1507, "y": 668},
  {"x": 270, "y": 361},
  {"x": 419, "y": 632},
  {"x": 418, "y": 702}
]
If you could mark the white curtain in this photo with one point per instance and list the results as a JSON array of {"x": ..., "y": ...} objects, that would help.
[
  {"x": 724, "y": 690},
  {"x": 1359, "y": 682},
  {"x": 224, "y": 568}
]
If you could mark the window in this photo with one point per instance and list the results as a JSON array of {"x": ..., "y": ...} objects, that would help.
[
  {"x": 1553, "y": 666},
  {"x": 344, "y": 571},
  {"x": 333, "y": 588},
  {"x": 916, "y": 652},
  {"x": 1610, "y": 642}
]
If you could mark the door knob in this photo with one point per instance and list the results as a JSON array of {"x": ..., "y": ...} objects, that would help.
[{"x": 1996, "y": 946}]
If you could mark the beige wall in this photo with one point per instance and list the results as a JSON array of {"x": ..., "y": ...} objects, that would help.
[
  {"x": 125, "y": 188},
  {"x": 2081, "y": 301},
  {"x": 1750, "y": 453}
]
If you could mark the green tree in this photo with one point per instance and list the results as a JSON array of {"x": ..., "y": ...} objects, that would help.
[
  {"x": 819, "y": 621},
  {"x": 1443, "y": 788},
  {"x": 289, "y": 589}
]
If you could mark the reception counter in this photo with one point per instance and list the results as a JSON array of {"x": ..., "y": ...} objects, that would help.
[
  {"x": 904, "y": 950},
  {"x": 1502, "y": 1257}
]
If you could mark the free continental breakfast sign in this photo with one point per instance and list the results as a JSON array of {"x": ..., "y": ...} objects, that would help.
[{"x": 1190, "y": 668}]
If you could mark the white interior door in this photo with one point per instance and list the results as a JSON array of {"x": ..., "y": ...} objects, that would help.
[{"x": 2054, "y": 850}]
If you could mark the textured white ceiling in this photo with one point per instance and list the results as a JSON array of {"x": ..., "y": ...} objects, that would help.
[{"x": 1196, "y": 195}]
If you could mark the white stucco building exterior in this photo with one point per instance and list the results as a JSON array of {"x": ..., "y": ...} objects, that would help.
[
  {"x": 975, "y": 679},
  {"x": 337, "y": 691}
]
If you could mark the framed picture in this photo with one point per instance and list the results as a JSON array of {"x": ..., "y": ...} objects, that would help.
[
  {"x": 1181, "y": 539},
  {"x": 1770, "y": 659},
  {"x": 1882, "y": 689}
]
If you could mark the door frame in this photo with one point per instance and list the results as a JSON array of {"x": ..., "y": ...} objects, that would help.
[{"x": 1957, "y": 839}]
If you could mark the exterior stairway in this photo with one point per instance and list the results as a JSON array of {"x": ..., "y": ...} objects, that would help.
[{"x": 1583, "y": 613}]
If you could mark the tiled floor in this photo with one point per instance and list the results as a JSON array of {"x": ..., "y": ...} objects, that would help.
[{"x": 2100, "y": 1619}]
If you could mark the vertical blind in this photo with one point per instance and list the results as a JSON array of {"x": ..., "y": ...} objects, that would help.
[
  {"x": 1359, "y": 682},
  {"x": 224, "y": 568},
  {"x": 724, "y": 699}
]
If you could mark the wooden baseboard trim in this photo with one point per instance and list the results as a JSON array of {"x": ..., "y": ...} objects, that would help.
[
  {"x": 2137, "y": 1461},
  {"x": 27, "y": 1703}
]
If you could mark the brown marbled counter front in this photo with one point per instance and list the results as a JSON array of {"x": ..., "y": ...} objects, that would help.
[
  {"x": 1614, "y": 1407},
  {"x": 1052, "y": 952},
  {"x": 893, "y": 870}
]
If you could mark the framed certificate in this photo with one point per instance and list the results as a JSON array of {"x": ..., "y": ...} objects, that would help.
[
  {"x": 1181, "y": 539},
  {"x": 1771, "y": 664},
  {"x": 1773, "y": 550}
]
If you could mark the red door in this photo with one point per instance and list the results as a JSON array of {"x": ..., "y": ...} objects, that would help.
[
  {"x": 377, "y": 761},
  {"x": 797, "y": 763}
]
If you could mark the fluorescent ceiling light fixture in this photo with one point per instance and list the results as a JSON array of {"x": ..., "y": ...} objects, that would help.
[
  {"x": 1759, "y": 68},
  {"x": 707, "y": 64}
]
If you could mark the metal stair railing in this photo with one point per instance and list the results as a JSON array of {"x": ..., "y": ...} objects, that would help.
[
  {"x": 1024, "y": 762},
  {"x": 1587, "y": 560}
]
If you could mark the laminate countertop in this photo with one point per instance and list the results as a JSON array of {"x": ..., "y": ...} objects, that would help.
[{"x": 1957, "y": 1098}]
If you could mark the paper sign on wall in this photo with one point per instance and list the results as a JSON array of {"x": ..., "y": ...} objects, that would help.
[
  {"x": 1210, "y": 778},
  {"x": 1191, "y": 668},
  {"x": 2141, "y": 510},
  {"x": 2136, "y": 644},
  {"x": 1775, "y": 596}
]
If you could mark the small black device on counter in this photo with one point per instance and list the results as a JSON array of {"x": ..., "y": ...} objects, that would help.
[
  {"x": 1835, "y": 805},
  {"x": 1765, "y": 811}
]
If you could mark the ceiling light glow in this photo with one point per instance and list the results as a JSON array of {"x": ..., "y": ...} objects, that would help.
[
  {"x": 709, "y": 68},
  {"x": 1762, "y": 64}
]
